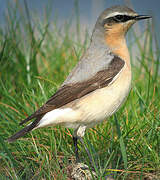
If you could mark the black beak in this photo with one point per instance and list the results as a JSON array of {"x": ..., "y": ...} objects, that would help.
[{"x": 139, "y": 17}]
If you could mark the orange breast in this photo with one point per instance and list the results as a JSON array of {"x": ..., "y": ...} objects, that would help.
[{"x": 115, "y": 39}]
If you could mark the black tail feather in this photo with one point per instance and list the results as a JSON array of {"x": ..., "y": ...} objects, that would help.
[
  {"x": 24, "y": 131},
  {"x": 19, "y": 134}
]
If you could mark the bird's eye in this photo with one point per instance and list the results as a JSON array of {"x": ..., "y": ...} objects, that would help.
[
  {"x": 122, "y": 18},
  {"x": 119, "y": 18}
]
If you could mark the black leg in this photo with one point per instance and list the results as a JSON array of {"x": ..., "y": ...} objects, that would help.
[
  {"x": 75, "y": 139},
  {"x": 89, "y": 155}
]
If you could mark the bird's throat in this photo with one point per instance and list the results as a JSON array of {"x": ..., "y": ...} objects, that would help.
[{"x": 117, "y": 44}]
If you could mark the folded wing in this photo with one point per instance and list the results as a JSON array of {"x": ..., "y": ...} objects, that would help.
[{"x": 71, "y": 92}]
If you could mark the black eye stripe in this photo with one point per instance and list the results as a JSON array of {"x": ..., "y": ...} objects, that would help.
[
  {"x": 122, "y": 18},
  {"x": 118, "y": 19}
]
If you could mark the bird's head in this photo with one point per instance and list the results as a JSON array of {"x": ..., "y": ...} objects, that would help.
[
  {"x": 113, "y": 24},
  {"x": 118, "y": 19}
]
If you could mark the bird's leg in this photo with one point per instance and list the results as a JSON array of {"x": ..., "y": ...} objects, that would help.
[
  {"x": 78, "y": 134},
  {"x": 75, "y": 139},
  {"x": 88, "y": 153}
]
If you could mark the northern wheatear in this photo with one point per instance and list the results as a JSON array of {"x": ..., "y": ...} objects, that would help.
[{"x": 98, "y": 85}]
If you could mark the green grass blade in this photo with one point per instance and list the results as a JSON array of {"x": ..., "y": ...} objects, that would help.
[{"x": 122, "y": 145}]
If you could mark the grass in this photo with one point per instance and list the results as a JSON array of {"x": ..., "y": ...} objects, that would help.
[{"x": 35, "y": 58}]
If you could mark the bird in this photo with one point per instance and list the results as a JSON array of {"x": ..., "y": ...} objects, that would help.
[{"x": 97, "y": 86}]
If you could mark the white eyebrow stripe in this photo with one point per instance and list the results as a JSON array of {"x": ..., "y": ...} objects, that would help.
[{"x": 118, "y": 13}]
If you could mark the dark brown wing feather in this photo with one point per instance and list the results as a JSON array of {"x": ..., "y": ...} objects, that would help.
[{"x": 70, "y": 92}]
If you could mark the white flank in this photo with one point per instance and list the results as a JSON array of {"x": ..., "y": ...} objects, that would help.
[{"x": 56, "y": 116}]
